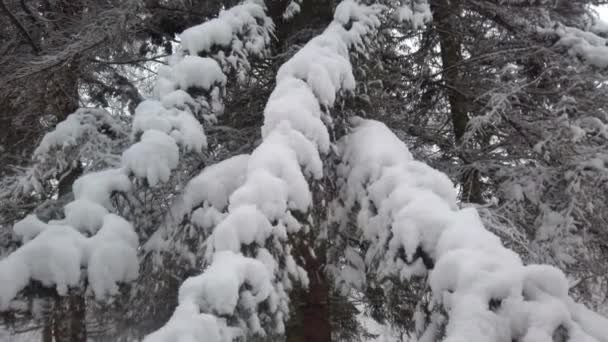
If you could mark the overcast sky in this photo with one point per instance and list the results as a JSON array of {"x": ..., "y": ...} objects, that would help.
[{"x": 603, "y": 10}]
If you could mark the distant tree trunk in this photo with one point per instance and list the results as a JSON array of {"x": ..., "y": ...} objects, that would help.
[
  {"x": 313, "y": 17},
  {"x": 445, "y": 18},
  {"x": 47, "y": 330},
  {"x": 69, "y": 323}
]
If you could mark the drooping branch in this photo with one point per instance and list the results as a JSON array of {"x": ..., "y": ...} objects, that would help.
[{"x": 251, "y": 267}]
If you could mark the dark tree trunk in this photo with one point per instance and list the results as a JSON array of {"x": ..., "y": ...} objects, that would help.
[
  {"x": 69, "y": 317},
  {"x": 312, "y": 315},
  {"x": 445, "y": 18},
  {"x": 316, "y": 310}
]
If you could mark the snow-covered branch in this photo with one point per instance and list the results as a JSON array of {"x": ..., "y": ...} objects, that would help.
[
  {"x": 187, "y": 92},
  {"x": 245, "y": 289},
  {"x": 409, "y": 217}
]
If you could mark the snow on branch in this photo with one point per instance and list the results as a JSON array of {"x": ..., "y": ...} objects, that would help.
[
  {"x": 237, "y": 33},
  {"x": 416, "y": 13},
  {"x": 244, "y": 290},
  {"x": 407, "y": 213},
  {"x": 587, "y": 45},
  {"x": 88, "y": 136},
  {"x": 190, "y": 89},
  {"x": 53, "y": 253},
  {"x": 187, "y": 92},
  {"x": 292, "y": 9}
]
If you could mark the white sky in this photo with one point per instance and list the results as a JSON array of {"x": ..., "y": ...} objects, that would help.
[{"x": 603, "y": 11}]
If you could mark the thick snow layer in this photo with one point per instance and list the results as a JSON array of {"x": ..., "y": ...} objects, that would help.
[
  {"x": 216, "y": 183},
  {"x": 243, "y": 30},
  {"x": 97, "y": 187},
  {"x": 28, "y": 228},
  {"x": 152, "y": 158},
  {"x": 244, "y": 226},
  {"x": 53, "y": 257},
  {"x": 293, "y": 102},
  {"x": 264, "y": 190},
  {"x": 188, "y": 324},
  {"x": 178, "y": 99},
  {"x": 187, "y": 72},
  {"x": 186, "y": 130},
  {"x": 416, "y": 13},
  {"x": 278, "y": 158},
  {"x": 151, "y": 114},
  {"x": 584, "y": 44},
  {"x": 218, "y": 291},
  {"x": 194, "y": 71},
  {"x": 323, "y": 63},
  {"x": 326, "y": 71},
  {"x": 408, "y": 213},
  {"x": 112, "y": 256},
  {"x": 57, "y": 253},
  {"x": 292, "y": 9},
  {"x": 259, "y": 207},
  {"x": 84, "y": 215},
  {"x": 84, "y": 122}
]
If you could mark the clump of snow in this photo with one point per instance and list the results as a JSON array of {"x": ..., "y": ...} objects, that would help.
[
  {"x": 292, "y": 9},
  {"x": 324, "y": 69},
  {"x": 151, "y": 114},
  {"x": 587, "y": 45},
  {"x": 153, "y": 157},
  {"x": 409, "y": 218},
  {"x": 188, "y": 324},
  {"x": 416, "y": 13},
  {"x": 244, "y": 226},
  {"x": 27, "y": 228},
  {"x": 57, "y": 253},
  {"x": 188, "y": 131},
  {"x": 194, "y": 71},
  {"x": 97, "y": 187},
  {"x": 112, "y": 256},
  {"x": 293, "y": 102},
  {"x": 178, "y": 99},
  {"x": 53, "y": 257},
  {"x": 84, "y": 215},
  {"x": 189, "y": 72},
  {"x": 180, "y": 124},
  {"x": 219, "y": 291},
  {"x": 82, "y": 123},
  {"x": 243, "y": 30},
  {"x": 217, "y": 182}
]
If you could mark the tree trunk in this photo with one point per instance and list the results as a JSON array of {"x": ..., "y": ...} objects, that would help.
[
  {"x": 312, "y": 315},
  {"x": 445, "y": 18},
  {"x": 313, "y": 17},
  {"x": 69, "y": 317},
  {"x": 316, "y": 319}
]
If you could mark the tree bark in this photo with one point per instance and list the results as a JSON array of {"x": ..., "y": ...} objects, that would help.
[
  {"x": 69, "y": 317},
  {"x": 316, "y": 318},
  {"x": 445, "y": 17}
]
